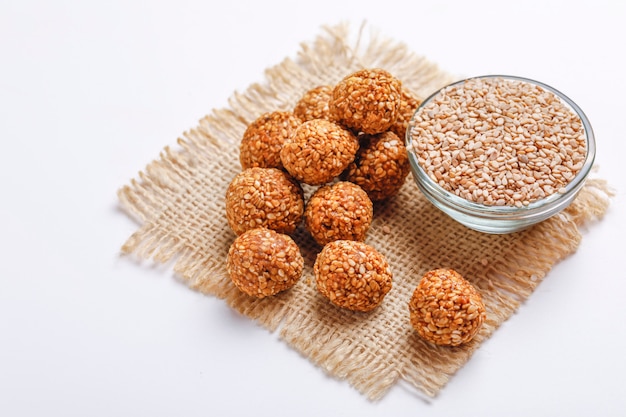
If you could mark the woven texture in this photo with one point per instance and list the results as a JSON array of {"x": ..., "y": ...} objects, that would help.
[{"x": 179, "y": 201}]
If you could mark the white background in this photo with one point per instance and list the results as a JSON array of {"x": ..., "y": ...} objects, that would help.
[{"x": 91, "y": 92}]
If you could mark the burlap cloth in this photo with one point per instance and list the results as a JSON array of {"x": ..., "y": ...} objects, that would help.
[{"x": 179, "y": 201}]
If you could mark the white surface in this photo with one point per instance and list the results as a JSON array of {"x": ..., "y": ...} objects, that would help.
[{"x": 90, "y": 93}]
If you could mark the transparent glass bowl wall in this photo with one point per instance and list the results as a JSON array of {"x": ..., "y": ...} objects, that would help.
[{"x": 503, "y": 219}]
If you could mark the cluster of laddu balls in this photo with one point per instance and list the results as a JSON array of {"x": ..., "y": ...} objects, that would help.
[{"x": 348, "y": 141}]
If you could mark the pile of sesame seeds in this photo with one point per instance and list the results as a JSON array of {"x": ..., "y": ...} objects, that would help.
[{"x": 499, "y": 141}]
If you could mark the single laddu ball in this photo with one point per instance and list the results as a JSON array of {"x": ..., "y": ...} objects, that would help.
[
  {"x": 381, "y": 165},
  {"x": 314, "y": 104},
  {"x": 341, "y": 211},
  {"x": 352, "y": 275},
  {"x": 264, "y": 197},
  {"x": 318, "y": 151},
  {"x": 367, "y": 101},
  {"x": 264, "y": 138},
  {"x": 262, "y": 262},
  {"x": 446, "y": 309}
]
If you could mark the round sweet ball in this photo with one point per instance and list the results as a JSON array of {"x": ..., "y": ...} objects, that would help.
[
  {"x": 264, "y": 138},
  {"x": 318, "y": 151},
  {"x": 264, "y": 197},
  {"x": 341, "y": 211},
  {"x": 314, "y": 104},
  {"x": 381, "y": 165},
  {"x": 445, "y": 309},
  {"x": 352, "y": 275},
  {"x": 408, "y": 105},
  {"x": 262, "y": 262},
  {"x": 367, "y": 101}
]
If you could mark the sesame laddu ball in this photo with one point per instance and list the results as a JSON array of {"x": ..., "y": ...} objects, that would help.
[
  {"x": 318, "y": 151},
  {"x": 264, "y": 197},
  {"x": 314, "y": 104},
  {"x": 352, "y": 275},
  {"x": 264, "y": 138},
  {"x": 381, "y": 165},
  {"x": 445, "y": 309},
  {"x": 408, "y": 105},
  {"x": 367, "y": 101},
  {"x": 262, "y": 262},
  {"x": 341, "y": 211}
]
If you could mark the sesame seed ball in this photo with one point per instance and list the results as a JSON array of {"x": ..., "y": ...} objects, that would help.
[
  {"x": 352, "y": 275},
  {"x": 264, "y": 197},
  {"x": 262, "y": 262},
  {"x": 381, "y": 165},
  {"x": 314, "y": 104},
  {"x": 264, "y": 138},
  {"x": 341, "y": 211},
  {"x": 445, "y": 309},
  {"x": 367, "y": 101},
  {"x": 408, "y": 105},
  {"x": 318, "y": 151}
]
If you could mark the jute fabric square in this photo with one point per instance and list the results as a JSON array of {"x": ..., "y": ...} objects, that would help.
[{"x": 179, "y": 201}]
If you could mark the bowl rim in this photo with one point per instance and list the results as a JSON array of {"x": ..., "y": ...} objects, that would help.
[{"x": 535, "y": 207}]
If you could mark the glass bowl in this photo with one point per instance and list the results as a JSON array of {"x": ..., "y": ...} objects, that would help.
[{"x": 504, "y": 218}]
